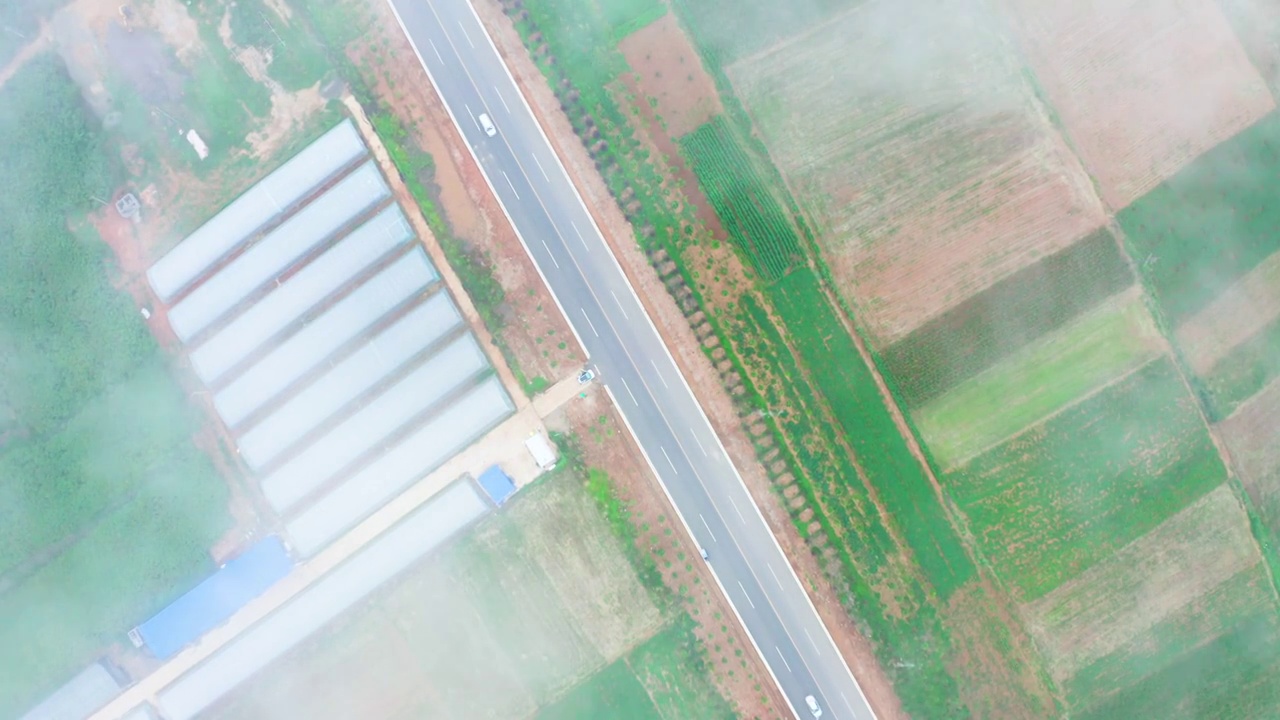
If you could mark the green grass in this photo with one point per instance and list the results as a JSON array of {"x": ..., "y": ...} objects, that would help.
[
  {"x": 996, "y": 322},
  {"x": 226, "y": 102},
  {"x": 297, "y": 60},
  {"x": 841, "y": 376},
  {"x": 672, "y": 667},
  {"x": 1048, "y": 504},
  {"x": 750, "y": 213},
  {"x": 1236, "y": 676},
  {"x": 1241, "y": 599},
  {"x": 1041, "y": 378},
  {"x": 1208, "y": 225},
  {"x": 627, "y": 16},
  {"x": 1249, "y": 367},
  {"x": 614, "y": 692}
]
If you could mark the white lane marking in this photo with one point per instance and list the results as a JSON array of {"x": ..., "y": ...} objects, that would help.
[
  {"x": 811, "y": 641},
  {"x": 633, "y": 400},
  {"x": 708, "y": 527},
  {"x": 774, "y": 574},
  {"x": 695, "y": 439},
  {"x": 433, "y": 47},
  {"x": 580, "y": 238},
  {"x": 664, "y": 382},
  {"x": 551, "y": 255},
  {"x": 735, "y": 509},
  {"x": 744, "y": 594},
  {"x": 512, "y": 186},
  {"x": 664, "y": 450},
  {"x": 544, "y": 172},
  {"x": 625, "y": 316},
  {"x": 784, "y": 660},
  {"x": 846, "y": 702},
  {"x": 593, "y": 332},
  {"x": 504, "y": 100},
  {"x": 477, "y": 122},
  {"x": 466, "y": 34}
]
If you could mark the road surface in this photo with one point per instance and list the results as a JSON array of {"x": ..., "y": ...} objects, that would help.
[{"x": 632, "y": 361}]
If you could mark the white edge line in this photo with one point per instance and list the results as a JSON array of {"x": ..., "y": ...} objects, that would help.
[
  {"x": 689, "y": 531},
  {"x": 609, "y": 250},
  {"x": 476, "y": 159}
]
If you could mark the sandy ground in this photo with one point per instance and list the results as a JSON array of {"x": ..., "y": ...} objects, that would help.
[
  {"x": 1142, "y": 87},
  {"x": 687, "y": 350}
]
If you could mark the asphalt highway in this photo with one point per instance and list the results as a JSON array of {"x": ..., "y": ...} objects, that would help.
[{"x": 630, "y": 357}]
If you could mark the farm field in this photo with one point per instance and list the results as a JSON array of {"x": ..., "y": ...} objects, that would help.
[
  {"x": 515, "y": 619},
  {"x": 1244, "y": 311},
  {"x": 1256, "y": 23},
  {"x": 927, "y": 180},
  {"x": 108, "y": 509},
  {"x": 1252, "y": 433},
  {"x": 1188, "y": 89},
  {"x": 1043, "y": 377},
  {"x": 1063, "y": 495},
  {"x": 993, "y": 324}
]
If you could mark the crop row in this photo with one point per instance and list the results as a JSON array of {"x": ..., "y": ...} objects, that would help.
[
  {"x": 750, "y": 213},
  {"x": 988, "y": 326},
  {"x": 1205, "y": 227},
  {"x": 727, "y": 30},
  {"x": 1246, "y": 370}
]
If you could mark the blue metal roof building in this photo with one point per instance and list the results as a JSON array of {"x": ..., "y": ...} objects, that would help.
[
  {"x": 211, "y": 602},
  {"x": 497, "y": 484}
]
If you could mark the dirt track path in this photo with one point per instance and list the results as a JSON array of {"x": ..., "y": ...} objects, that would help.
[{"x": 30, "y": 50}]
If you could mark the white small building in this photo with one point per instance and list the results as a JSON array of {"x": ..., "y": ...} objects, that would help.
[{"x": 544, "y": 453}]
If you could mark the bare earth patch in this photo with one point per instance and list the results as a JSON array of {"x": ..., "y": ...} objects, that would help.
[
  {"x": 1257, "y": 24},
  {"x": 1233, "y": 317},
  {"x": 1180, "y": 560},
  {"x": 1143, "y": 87},
  {"x": 670, "y": 71},
  {"x": 912, "y": 138},
  {"x": 1252, "y": 434}
]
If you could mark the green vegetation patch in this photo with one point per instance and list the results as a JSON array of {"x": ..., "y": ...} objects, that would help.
[
  {"x": 1058, "y": 498},
  {"x": 1205, "y": 227},
  {"x": 1249, "y": 367},
  {"x": 1236, "y": 676},
  {"x": 1243, "y": 598},
  {"x": 750, "y": 213},
  {"x": 832, "y": 359},
  {"x": 107, "y": 509},
  {"x": 614, "y": 692},
  {"x": 627, "y": 16},
  {"x": 996, "y": 322},
  {"x": 297, "y": 60},
  {"x": 672, "y": 666},
  {"x": 727, "y": 30},
  {"x": 1045, "y": 376}
]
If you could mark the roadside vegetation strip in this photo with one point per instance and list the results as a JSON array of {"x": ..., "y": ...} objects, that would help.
[
  {"x": 1241, "y": 600},
  {"x": 1226, "y": 195},
  {"x": 1249, "y": 368},
  {"x": 989, "y": 326},
  {"x": 1058, "y": 498},
  {"x": 844, "y": 380},
  {"x": 751, "y": 215},
  {"x": 1039, "y": 379},
  {"x": 1237, "y": 675}
]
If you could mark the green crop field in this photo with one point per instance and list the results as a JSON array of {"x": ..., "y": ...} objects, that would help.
[
  {"x": 626, "y": 16},
  {"x": 1237, "y": 676},
  {"x": 994, "y": 323},
  {"x": 1053, "y": 501},
  {"x": 107, "y": 509},
  {"x": 1037, "y": 380},
  {"x": 1247, "y": 369},
  {"x": 1236, "y": 602},
  {"x": 1207, "y": 226},
  {"x": 750, "y": 213}
]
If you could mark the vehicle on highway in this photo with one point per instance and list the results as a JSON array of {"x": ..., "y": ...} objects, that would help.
[
  {"x": 586, "y": 376},
  {"x": 703, "y": 552},
  {"x": 487, "y": 124},
  {"x": 814, "y": 709}
]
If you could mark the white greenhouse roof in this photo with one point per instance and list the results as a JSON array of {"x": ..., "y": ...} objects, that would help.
[
  {"x": 389, "y": 554},
  {"x": 313, "y": 405},
  {"x": 89, "y": 690},
  {"x": 412, "y": 458},
  {"x": 371, "y": 425},
  {"x": 284, "y": 187},
  {"x": 276, "y": 252},
  {"x": 300, "y": 293},
  {"x": 306, "y": 349}
]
